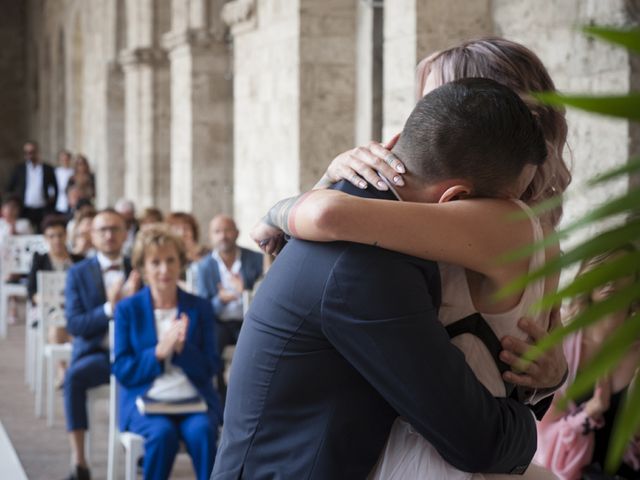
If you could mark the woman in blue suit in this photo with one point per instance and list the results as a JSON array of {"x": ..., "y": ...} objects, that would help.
[{"x": 165, "y": 351}]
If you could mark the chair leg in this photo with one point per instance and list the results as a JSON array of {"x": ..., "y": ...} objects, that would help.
[
  {"x": 50, "y": 391},
  {"x": 39, "y": 380},
  {"x": 3, "y": 314}
]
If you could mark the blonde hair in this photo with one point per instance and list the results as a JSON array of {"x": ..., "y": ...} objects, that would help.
[
  {"x": 156, "y": 235},
  {"x": 520, "y": 69}
]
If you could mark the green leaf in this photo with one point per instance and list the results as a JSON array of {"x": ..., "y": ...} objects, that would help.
[
  {"x": 628, "y": 38},
  {"x": 632, "y": 166},
  {"x": 603, "y": 362},
  {"x": 620, "y": 106},
  {"x": 606, "y": 241},
  {"x": 625, "y": 426},
  {"x": 625, "y": 266},
  {"x": 620, "y": 300}
]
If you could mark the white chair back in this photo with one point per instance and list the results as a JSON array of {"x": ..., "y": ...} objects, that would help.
[
  {"x": 51, "y": 298},
  {"x": 18, "y": 253}
]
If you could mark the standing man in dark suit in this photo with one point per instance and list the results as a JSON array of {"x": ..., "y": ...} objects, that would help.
[
  {"x": 342, "y": 338},
  {"x": 221, "y": 279},
  {"x": 94, "y": 287},
  {"x": 35, "y": 182}
]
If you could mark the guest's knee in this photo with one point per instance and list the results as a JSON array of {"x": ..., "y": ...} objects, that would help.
[{"x": 164, "y": 434}]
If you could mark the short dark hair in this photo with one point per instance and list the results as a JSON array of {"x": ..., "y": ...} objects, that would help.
[
  {"x": 474, "y": 129},
  {"x": 53, "y": 221}
]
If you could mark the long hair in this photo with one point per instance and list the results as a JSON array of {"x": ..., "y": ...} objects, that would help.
[{"x": 520, "y": 69}]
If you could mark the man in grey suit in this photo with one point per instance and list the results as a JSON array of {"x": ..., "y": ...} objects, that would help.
[{"x": 222, "y": 276}]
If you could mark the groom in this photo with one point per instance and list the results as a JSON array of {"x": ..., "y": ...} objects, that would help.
[{"x": 342, "y": 338}]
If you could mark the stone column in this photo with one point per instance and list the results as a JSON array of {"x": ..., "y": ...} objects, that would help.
[
  {"x": 412, "y": 30},
  {"x": 294, "y": 96},
  {"x": 111, "y": 171},
  {"x": 147, "y": 118},
  {"x": 201, "y": 121}
]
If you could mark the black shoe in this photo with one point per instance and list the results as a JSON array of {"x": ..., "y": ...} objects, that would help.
[{"x": 80, "y": 473}]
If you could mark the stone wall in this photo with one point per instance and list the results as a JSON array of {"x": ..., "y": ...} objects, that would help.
[
  {"x": 13, "y": 86},
  {"x": 578, "y": 64},
  {"x": 175, "y": 108}
]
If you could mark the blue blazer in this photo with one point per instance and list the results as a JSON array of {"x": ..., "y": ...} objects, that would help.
[
  {"x": 84, "y": 306},
  {"x": 208, "y": 276},
  {"x": 136, "y": 366}
]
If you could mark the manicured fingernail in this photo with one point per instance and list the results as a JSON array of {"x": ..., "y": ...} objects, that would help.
[
  {"x": 524, "y": 322},
  {"x": 382, "y": 186},
  {"x": 400, "y": 168},
  {"x": 398, "y": 180},
  {"x": 362, "y": 185}
]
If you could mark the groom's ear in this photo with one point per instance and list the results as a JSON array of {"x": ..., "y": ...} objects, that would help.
[{"x": 456, "y": 192}]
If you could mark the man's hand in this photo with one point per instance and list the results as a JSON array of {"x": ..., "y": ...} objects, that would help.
[
  {"x": 547, "y": 371},
  {"x": 114, "y": 294},
  {"x": 225, "y": 295},
  {"x": 132, "y": 285}
]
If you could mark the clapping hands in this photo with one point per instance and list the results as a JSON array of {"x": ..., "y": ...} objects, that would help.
[{"x": 173, "y": 339}]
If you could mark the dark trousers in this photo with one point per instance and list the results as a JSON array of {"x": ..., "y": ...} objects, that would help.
[
  {"x": 227, "y": 332},
  {"x": 35, "y": 216},
  {"x": 84, "y": 373}
]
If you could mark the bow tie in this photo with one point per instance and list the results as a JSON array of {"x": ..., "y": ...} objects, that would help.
[{"x": 112, "y": 268}]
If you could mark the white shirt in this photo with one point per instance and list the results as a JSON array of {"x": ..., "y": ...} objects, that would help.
[
  {"x": 109, "y": 277},
  {"x": 232, "y": 310},
  {"x": 23, "y": 227},
  {"x": 63, "y": 174},
  {"x": 33, "y": 194},
  {"x": 173, "y": 384}
]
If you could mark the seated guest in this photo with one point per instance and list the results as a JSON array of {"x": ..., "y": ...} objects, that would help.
[
  {"x": 127, "y": 209},
  {"x": 80, "y": 243},
  {"x": 165, "y": 350},
  {"x": 10, "y": 222},
  {"x": 150, "y": 216},
  {"x": 94, "y": 287},
  {"x": 57, "y": 258},
  {"x": 573, "y": 442},
  {"x": 83, "y": 206},
  {"x": 186, "y": 227},
  {"x": 223, "y": 276}
]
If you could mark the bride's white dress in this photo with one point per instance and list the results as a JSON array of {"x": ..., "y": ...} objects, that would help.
[{"x": 407, "y": 455}]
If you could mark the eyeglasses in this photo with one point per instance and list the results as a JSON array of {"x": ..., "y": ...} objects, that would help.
[{"x": 105, "y": 230}]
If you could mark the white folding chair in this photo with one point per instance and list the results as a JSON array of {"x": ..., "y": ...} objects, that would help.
[
  {"x": 50, "y": 312},
  {"x": 17, "y": 253},
  {"x": 30, "y": 348},
  {"x": 132, "y": 443}
]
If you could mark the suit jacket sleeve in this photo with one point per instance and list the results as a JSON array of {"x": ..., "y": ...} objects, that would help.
[
  {"x": 389, "y": 331},
  {"x": 198, "y": 358},
  {"x": 82, "y": 321},
  {"x": 132, "y": 368}
]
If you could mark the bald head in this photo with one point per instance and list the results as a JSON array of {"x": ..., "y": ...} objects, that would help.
[{"x": 223, "y": 234}]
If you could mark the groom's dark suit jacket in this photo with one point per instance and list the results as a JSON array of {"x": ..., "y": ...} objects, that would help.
[{"x": 340, "y": 339}]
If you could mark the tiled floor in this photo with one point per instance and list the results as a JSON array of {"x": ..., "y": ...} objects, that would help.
[{"x": 44, "y": 452}]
